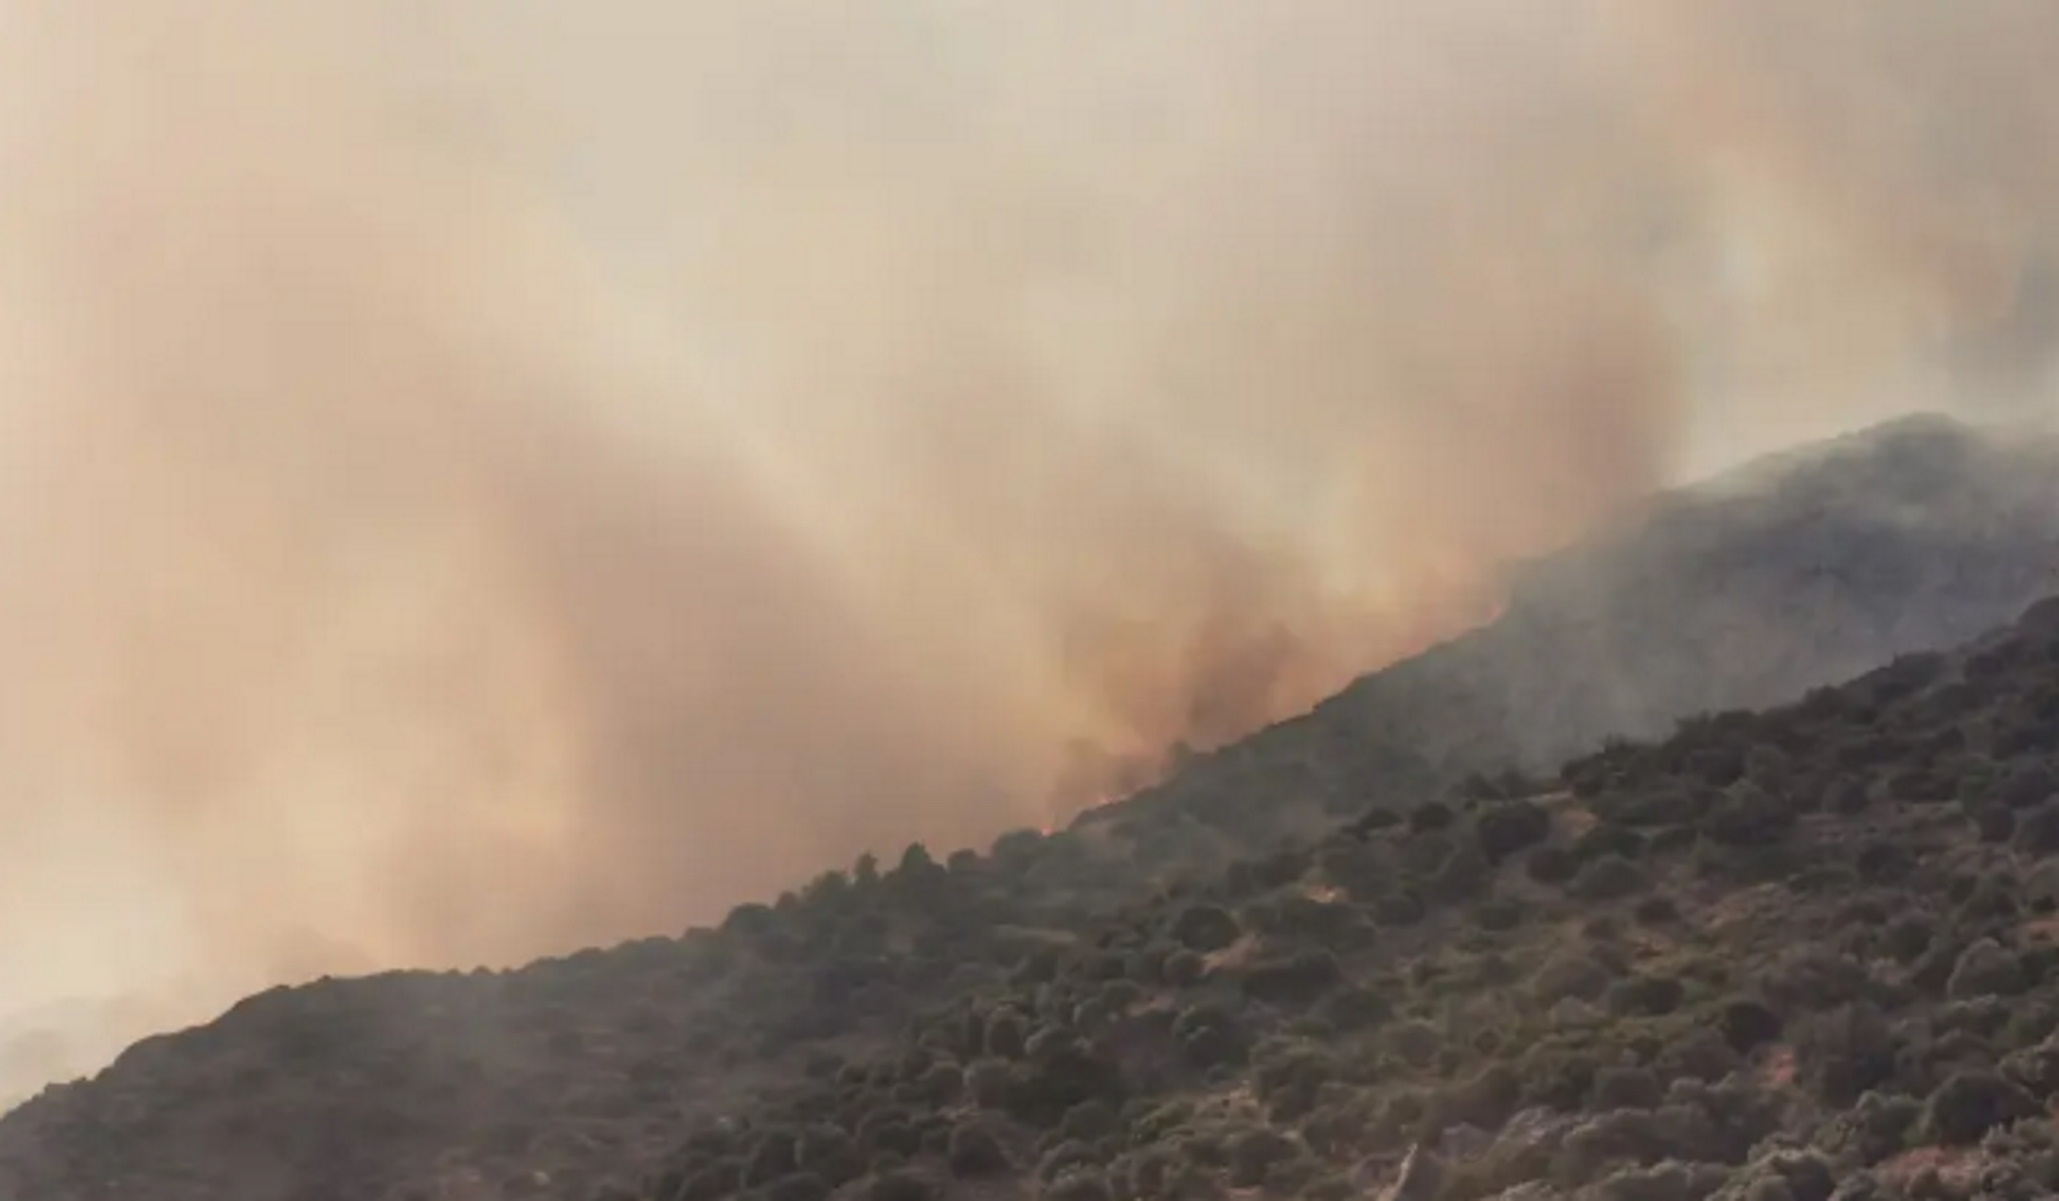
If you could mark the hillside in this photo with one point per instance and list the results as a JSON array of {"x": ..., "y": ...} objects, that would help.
[
  {"x": 1165, "y": 963},
  {"x": 1806, "y": 952}
]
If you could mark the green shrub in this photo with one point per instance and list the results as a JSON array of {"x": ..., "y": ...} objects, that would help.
[
  {"x": 1608, "y": 878},
  {"x": 2037, "y": 830},
  {"x": 770, "y": 1158},
  {"x": 976, "y": 1152},
  {"x": 2027, "y": 786},
  {"x": 1551, "y": 865},
  {"x": 1873, "y": 1129},
  {"x": 1656, "y": 911},
  {"x": 1699, "y": 1054},
  {"x": 1354, "y": 1007},
  {"x": 1504, "y": 829},
  {"x": 800, "y": 1186},
  {"x": 1184, "y": 969},
  {"x": 1066, "y": 1155},
  {"x": 1209, "y": 1036},
  {"x": 1416, "y": 1042},
  {"x": 1846, "y": 1053},
  {"x": 1971, "y": 1103},
  {"x": 1570, "y": 974},
  {"x": 899, "y": 1186},
  {"x": 1079, "y": 1185},
  {"x": 1626, "y": 1088},
  {"x": 1748, "y": 818},
  {"x": 1205, "y": 928},
  {"x": 1007, "y": 1035},
  {"x": 1297, "y": 979},
  {"x": 1644, "y": 996},
  {"x": 1985, "y": 969},
  {"x": 1088, "y": 1121},
  {"x": 1398, "y": 909},
  {"x": 1993, "y": 823},
  {"x": 1253, "y": 1152},
  {"x": 1499, "y": 915},
  {"x": 1747, "y": 1025},
  {"x": 1433, "y": 815},
  {"x": 824, "y": 1150},
  {"x": 1609, "y": 838},
  {"x": 940, "y": 1084}
]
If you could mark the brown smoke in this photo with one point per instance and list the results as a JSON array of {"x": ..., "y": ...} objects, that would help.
[{"x": 485, "y": 477}]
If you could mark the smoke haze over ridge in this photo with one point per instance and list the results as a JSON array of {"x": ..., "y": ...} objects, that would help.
[{"x": 480, "y": 478}]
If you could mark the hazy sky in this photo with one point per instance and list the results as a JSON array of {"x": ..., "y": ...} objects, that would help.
[{"x": 477, "y": 478}]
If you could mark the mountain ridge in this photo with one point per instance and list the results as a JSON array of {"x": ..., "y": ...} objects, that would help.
[{"x": 592, "y": 1064}]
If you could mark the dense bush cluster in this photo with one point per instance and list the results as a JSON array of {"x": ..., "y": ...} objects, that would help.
[{"x": 1683, "y": 971}]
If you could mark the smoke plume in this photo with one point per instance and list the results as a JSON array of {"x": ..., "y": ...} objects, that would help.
[{"x": 477, "y": 478}]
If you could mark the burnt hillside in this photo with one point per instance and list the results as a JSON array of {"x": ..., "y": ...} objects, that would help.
[{"x": 1136, "y": 991}]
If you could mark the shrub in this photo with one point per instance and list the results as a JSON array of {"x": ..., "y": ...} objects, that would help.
[
  {"x": 1993, "y": 823},
  {"x": 1067, "y": 1075},
  {"x": 1969, "y": 1104},
  {"x": 824, "y": 1150},
  {"x": 1656, "y": 911},
  {"x": 1551, "y": 865},
  {"x": 800, "y": 1186},
  {"x": 1184, "y": 969},
  {"x": 1609, "y": 838},
  {"x": 1428, "y": 817},
  {"x": 1846, "y": 1053},
  {"x": 1748, "y": 817},
  {"x": 1007, "y": 1035},
  {"x": 771, "y": 1158},
  {"x": 1608, "y": 878},
  {"x": 1354, "y": 1007},
  {"x": 1882, "y": 861},
  {"x": 1205, "y": 928},
  {"x": 1747, "y": 1025},
  {"x": 1088, "y": 1121},
  {"x": 1985, "y": 969},
  {"x": 1644, "y": 996},
  {"x": 1253, "y": 1153},
  {"x": 2027, "y": 786},
  {"x": 1873, "y": 1129},
  {"x": 1667, "y": 806},
  {"x": 1699, "y": 1054},
  {"x": 1499, "y": 915},
  {"x": 1416, "y": 1042},
  {"x": 1570, "y": 974},
  {"x": 1484, "y": 1100},
  {"x": 899, "y": 1186},
  {"x": 987, "y": 1082},
  {"x": 1908, "y": 937},
  {"x": 1627, "y": 1088},
  {"x": 1079, "y": 1185},
  {"x": 1399, "y": 909},
  {"x": 1557, "y": 1075},
  {"x": 1068, "y": 1155},
  {"x": 1298, "y": 979},
  {"x": 1208, "y": 1036},
  {"x": 1503, "y": 830},
  {"x": 2037, "y": 831},
  {"x": 1848, "y": 797}
]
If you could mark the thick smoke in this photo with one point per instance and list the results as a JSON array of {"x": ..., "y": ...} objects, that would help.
[{"x": 484, "y": 477}]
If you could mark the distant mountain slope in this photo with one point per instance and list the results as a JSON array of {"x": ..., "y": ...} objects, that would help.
[
  {"x": 548, "y": 1080},
  {"x": 1809, "y": 567}
]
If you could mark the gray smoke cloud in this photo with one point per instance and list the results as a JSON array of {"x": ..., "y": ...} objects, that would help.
[{"x": 480, "y": 478}]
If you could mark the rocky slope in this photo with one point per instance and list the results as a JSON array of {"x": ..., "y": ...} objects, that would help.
[{"x": 858, "y": 1033}]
